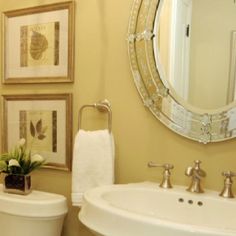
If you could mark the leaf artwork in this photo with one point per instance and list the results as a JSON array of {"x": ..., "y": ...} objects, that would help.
[
  {"x": 32, "y": 129},
  {"x": 38, "y": 130},
  {"x": 38, "y": 45},
  {"x": 39, "y": 126}
]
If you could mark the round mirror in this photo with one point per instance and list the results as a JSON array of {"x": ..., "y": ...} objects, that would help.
[
  {"x": 196, "y": 50},
  {"x": 183, "y": 59}
]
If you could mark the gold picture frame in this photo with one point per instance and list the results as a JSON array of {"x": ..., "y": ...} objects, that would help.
[
  {"x": 38, "y": 44},
  {"x": 44, "y": 121},
  {"x": 232, "y": 69}
]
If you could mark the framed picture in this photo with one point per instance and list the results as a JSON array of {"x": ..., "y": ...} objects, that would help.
[
  {"x": 44, "y": 121},
  {"x": 38, "y": 44}
]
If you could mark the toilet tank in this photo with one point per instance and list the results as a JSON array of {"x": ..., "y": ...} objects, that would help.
[{"x": 36, "y": 214}]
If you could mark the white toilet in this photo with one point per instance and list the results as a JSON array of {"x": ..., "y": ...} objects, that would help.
[{"x": 36, "y": 214}]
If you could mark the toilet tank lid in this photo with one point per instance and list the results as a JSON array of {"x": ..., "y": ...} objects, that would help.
[{"x": 35, "y": 204}]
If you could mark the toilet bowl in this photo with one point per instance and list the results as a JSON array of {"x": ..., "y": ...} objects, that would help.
[{"x": 36, "y": 214}]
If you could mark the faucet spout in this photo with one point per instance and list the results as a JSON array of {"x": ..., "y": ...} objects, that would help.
[
  {"x": 195, "y": 186},
  {"x": 197, "y": 174}
]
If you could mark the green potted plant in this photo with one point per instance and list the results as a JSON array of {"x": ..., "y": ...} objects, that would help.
[{"x": 17, "y": 165}]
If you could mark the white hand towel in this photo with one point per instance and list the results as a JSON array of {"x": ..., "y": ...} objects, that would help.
[{"x": 93, "y": 162}]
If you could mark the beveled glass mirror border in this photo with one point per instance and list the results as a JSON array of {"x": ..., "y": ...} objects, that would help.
[{"x": 202, "y": 127}]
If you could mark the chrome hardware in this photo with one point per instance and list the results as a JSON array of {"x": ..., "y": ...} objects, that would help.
[
  {"x": 101, "y": 106},
  {"x": 227, "y": 190},
  {"x": 197, "y": 174},
  {"x": 166, "y": 173}
]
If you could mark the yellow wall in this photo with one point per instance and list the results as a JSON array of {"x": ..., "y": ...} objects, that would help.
[{"x": 102, "y": 71}]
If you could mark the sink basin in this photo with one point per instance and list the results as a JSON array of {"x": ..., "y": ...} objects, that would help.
[{"x": 145, "y": 209}]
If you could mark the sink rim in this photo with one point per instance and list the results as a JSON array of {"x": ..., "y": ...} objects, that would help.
[{"x": 94, "y": 199}]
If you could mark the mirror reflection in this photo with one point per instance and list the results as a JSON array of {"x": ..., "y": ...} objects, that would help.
[{"x": 195, "y": 50}]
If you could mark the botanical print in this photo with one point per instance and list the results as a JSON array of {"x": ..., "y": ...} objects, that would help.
[
  {"x": 39, "y": 129},
  {"x": 44, "y": 121},
  {"x": 39, "y": 44}
]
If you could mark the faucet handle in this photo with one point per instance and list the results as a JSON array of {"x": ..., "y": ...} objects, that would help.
[
  {"x": 166, "y": 166},
  {"x": 166, "y": 173},
  {"x": 227, "y": 190},
  {"x": 228, "y": 174}
]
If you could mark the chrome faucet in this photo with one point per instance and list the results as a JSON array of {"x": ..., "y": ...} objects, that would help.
[
  {"x": 165, "y": 183},
  {"x": 227, "y": 190},
  {"x": 197, "y": 174}
]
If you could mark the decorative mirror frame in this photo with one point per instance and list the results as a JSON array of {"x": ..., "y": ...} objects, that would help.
[{"x": 219, "y": 125}]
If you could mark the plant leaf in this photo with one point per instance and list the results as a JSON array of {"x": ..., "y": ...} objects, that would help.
[
  {"x": 41, "y": 136},
  {"x": 39, "y": 126},
  {"x": 32, "y": 129}
]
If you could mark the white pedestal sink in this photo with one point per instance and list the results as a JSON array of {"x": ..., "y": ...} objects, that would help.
[{"x": 145, "y": 209}]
